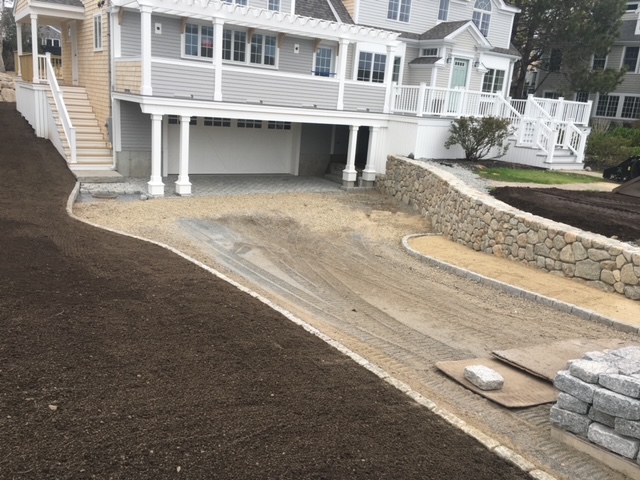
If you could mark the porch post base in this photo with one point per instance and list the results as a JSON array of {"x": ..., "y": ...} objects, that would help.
[
  {"x": 368, "y": 175},
  {"x": 183, "y": 188},
  {"x": 368, "y": 183},
  {"x": 155, "y": 188}
]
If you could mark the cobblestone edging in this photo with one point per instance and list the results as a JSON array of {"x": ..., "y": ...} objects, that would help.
[{"x": 481, "y": 222}]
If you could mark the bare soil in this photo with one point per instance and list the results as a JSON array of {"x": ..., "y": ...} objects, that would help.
[{"x": 119, "y": 359}]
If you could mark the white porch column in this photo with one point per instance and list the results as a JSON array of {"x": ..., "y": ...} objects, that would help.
[
  {"x": 343, "y": 50},
  {"x": 155, "y": 185},
  {"x": 388, "y": 78},
  {"x": 145, "y": 37},
  {"x": 34, "y": 48},
  {"x": 218, "y": 26},
  {"x": 183, "y": 187},
  {"x": 369, "y": 172},
  {"x": 19, "y": 35},
  {"x": 349, "y": 174}
]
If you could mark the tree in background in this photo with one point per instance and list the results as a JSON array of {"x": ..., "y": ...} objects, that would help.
[
  {"x": 2, "y": 34},
  {"x": 9, "y": 36},
  {"x": 566, "y": 34}
]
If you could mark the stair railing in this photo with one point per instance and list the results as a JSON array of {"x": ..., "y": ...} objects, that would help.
[{"x": 69, "y": 130}]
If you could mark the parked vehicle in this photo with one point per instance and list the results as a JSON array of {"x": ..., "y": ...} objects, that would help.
[{"x": 625, "y": 171}]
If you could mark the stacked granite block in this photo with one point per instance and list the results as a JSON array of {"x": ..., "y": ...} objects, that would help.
[{"x": 600, "y": 400}]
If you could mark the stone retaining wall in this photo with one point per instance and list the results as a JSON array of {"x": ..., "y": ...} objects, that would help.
[
  {"x": 7, "y": 88},
  {"x": 481, "y": 222}
]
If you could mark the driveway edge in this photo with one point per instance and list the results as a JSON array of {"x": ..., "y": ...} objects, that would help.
[
  {"x": 517, "y": 291},
  {"x": 488, "y": 442}
]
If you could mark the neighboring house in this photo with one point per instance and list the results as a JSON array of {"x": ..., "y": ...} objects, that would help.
[
  {"x": 622, "y": 105},
  {"x": 280, "y": 86},
  {"x": 50, "y": 39}
]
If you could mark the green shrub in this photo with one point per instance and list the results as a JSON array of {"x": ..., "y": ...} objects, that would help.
[
  {"x": 608, "y": 150},
  {"x": 477, "y": 136}
]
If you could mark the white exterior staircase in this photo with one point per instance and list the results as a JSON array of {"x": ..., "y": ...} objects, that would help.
[{"x": 92, "y": 150}]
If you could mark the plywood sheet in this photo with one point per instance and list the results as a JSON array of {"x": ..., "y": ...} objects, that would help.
[
  {"x": 520, "y": 389},
  {"x": 547, "y": 360}
]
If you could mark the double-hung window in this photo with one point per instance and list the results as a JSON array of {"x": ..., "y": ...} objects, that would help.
[
  {"x": 238, "y": 2},
  {"x": 599, "y": 62},
  {"x": 198, "y": 40},
  {"x": 234, "y": 45},
  {"x": 607, "y": 105},
  {"x": 274, "y": 5},
  {"x": 493, "y": 81},
  {"x": 631, "y": 59},
  {"x": 631, "y": 108},
  {"x": 97, "y": 31},
  {"x": 263, "y": 49},
  {"x": 399, "y": 10},
  {"x": 371, "y": 67},
  {"x": 443, "y": 11},
  {"x": 324, "y": 56},
  {"x": 482, "y": 15}
]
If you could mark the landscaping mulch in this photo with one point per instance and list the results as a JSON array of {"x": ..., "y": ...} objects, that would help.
[{"x": 121, "y": 360}]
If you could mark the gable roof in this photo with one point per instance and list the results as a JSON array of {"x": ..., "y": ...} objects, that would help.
[
  {"x": 513, "y": 51},
  {"x": 332, "y": 10},
  {"x": 442, "y": 30}
]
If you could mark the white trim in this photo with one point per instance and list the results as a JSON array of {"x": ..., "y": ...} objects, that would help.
[
  {"x": 98, "y": 44},
  {"x": 397, "y": 20}
]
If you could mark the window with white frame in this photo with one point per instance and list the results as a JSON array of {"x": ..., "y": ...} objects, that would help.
[
  {"x": 263, "y": 49},
  {"x": 198, "y": 40},
  {"x": 599, "y": 62},
  {"x": 631, "y": 107},
  {"x": 217, "y": 122},
  {"x": 607, "y": 105},
  {"x": 399, "y": 10},
  {"x": 274, "y": 5},
  {"x": 551, "y": 95},
  {"x": 482, "y": 15},
  {"x": 582, "y": 97},
  {"x": 324, "y": 57},
  {"x": 443, "y": 11},
  {"x": 234, "y": 45},
  {"x": 51, "y": 42},
  {"x": 631, "y": 59},
  {"x": 275, "y": 125},
  {"x": 493, "y": 81},
  {"x": 429, "y": 52},
  {"x": 371, "y": 67},
  {"x": 397, "y": 65},
  {"x": 97, "y": 31},
  {"x": 238, "y": 2},
  {"x": 249, "y": 123}
]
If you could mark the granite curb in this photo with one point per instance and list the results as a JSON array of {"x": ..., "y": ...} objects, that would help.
[
  {"x": 487, "y": 441},
  {"x": 517, "y": 291}
]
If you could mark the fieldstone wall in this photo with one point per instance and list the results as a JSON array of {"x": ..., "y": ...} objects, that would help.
[
  {"x": 7, "y": 88},
  {"x": 600, "y": 400},
  {"x": 481, "y": 222}
]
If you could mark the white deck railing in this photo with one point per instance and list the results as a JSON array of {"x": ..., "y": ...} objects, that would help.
[
  {"x": 48, "y": 74},
  {"x": 540, "y": 123}
]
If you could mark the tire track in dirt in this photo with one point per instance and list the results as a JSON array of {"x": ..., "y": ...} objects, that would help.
[{"x": 406, "y": 321}]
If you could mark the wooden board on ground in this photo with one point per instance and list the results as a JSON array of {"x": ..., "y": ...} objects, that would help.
[
  {"x": 520, "y": 389},
  {"x": 630, "y": 188},
  {"x": 610, "y": 459},
  {"x": 547, "y": 360}
]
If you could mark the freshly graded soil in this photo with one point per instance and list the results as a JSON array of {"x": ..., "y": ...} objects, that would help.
[
  {"x": 609, "y": 214},
  {"x": 119, "y": 359}
]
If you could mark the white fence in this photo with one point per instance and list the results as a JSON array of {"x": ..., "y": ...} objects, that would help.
[{"x": 539, "y": 123}]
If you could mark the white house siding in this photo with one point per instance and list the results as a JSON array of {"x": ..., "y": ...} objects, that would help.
[
  {"x": 614, "y": 59},
  {"x": 233, "y": 150},
  {"x": 411, "y": 53},
  {"x": 254, "y": 85},
  {"x": 465, "y": 42},
  {"x": 423, "y": 15},
  {"x": 499, "y": 25},
  {"x": 364, "y": 96},
  {"x": 130, "y": 34},
  {"x": 350, "y": 60},
  {"x": 169, "y": 80},
  {"x": 289, "y": 61},
  {"x": 418, "y": 74}
]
